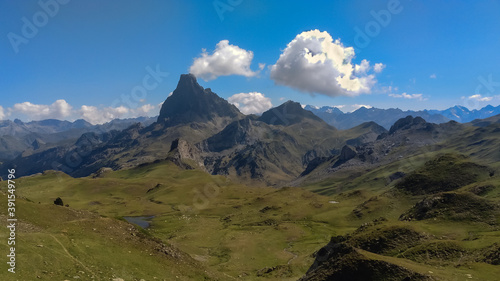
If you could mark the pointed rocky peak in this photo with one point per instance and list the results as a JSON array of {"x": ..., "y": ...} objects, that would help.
[
  {"x": 363, "y": 109},
  {"x": 461, "y": 108},
  {"x": 80, "y": 123},
  {"x": 488, "y": 107},
  {"x": 406, "y": 123},
  {"x": 324, "y": 109},
  {"x": 332, "y": 110},
  {"x": 190, "y": 102},
  {"x": 288, "y": 114},
  {"x": 188, "y": 85}
]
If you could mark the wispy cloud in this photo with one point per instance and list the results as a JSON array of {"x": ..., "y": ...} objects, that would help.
[
  {"x": 408, "y": 96},
  {"x": 478, "y": 97},
  {"x": 378, "y": 67}
]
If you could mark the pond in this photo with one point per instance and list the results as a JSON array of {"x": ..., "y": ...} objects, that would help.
[{"x": 140, "y": 221}]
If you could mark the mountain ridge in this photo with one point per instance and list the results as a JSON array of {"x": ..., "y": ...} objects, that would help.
[{"x": 386, "y": 117}]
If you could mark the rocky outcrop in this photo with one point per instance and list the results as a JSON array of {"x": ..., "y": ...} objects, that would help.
[
  {"x": 341, "y": 262},
  {"x": 185, "y": 155},
  {"x": 288, "y": 114},
  {"x": 455, "y": 207},
  {"x": 407, "y": 123},
  {"x": 347, "y": 153},
  {"x": 101, "y": 172}
]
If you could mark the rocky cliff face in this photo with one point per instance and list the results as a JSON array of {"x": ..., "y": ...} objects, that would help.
[{"x": 190, "y": 102}]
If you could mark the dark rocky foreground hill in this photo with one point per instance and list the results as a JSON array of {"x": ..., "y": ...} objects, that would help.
[{"x": 342, "y": 262}]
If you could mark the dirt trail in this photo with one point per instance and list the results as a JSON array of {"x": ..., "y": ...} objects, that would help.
[
  {"x": 75, "y": 259},
  {"x": 286, "y": 250}
]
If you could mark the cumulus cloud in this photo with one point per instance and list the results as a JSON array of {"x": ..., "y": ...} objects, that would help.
[
  {"x": 225, "y": 60},
  {"x": 251, "y": 103},
  {"x": 315, "y": 63},
  {"x": 363, "y": 67},
  {"x": 95, "y": 115},
  {"x": 3, "y": 114},
  {"x": 144, "y": 110},
  {"x": 478, "y": 97},
  {"x": 378, "y": 67},
  {"x": 60, "y": 109},
  {"x": 433, "y": 76},
  {"x": 408, "y": 96}
]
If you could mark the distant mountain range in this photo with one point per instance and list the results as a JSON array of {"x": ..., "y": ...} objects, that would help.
[
  {"x": 17, "y": 136},
  {"x": 463, "y": 114},
  {"x": 197, "y": 129},
  {"x": 386, "y": 117}
]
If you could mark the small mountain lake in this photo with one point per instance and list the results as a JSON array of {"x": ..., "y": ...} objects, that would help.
[{"x": 140, "y": 221}]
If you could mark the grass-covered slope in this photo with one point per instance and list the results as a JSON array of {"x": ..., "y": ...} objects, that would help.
[
  {"x": 434, "y": 214},
  {"x": 222, "y": 227},
  {"x": 210, "y": 227},
  {"x": 60, "y": 243}
]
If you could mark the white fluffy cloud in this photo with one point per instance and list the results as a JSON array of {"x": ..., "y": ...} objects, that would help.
[
  {"x": 433, "y": 76},
  {"x": 3, "y": 115},
  {"x": 478, "y": 97},
  {"x": 60, "y": 109},
  {"x": 408, "y": 96},
  {"x": 378, "y": 67},
  {"x": 225, "y": 60},
  {"x": 144, "y": 110},
  {"x": 251, "y": 103},
  {"x": 95, "y": 115},
  {"x": 363, "y": 67},
  {"x": 315, "y": 63}
]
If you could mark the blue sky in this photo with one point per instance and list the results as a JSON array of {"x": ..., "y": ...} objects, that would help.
[{"x": 87, "y": 57}]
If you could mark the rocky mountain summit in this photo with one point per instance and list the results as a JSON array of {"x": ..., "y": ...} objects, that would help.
[{"x": 190, "y": 103}]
